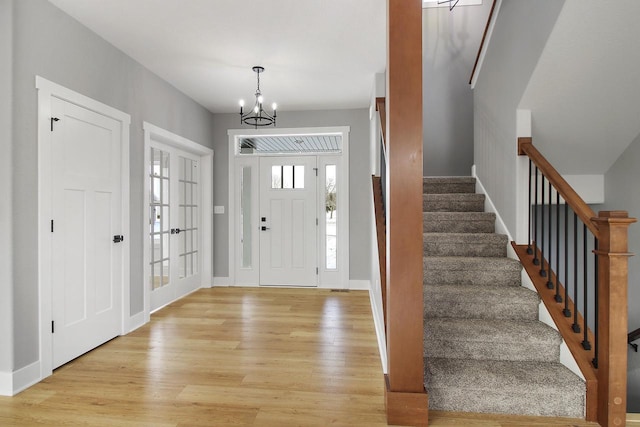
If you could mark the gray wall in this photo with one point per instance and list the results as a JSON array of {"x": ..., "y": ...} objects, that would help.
[
  {"x": 621, "y": 193},
  {"x": 519, "y": 37},
  {"x": 49, "y": 43},
  {"x": 450, "y": 41},
  {"x": 359, "y": 181},
  {"x": 6, "y": 130}
]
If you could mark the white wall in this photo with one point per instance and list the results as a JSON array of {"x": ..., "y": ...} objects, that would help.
[
  {"x": 6, "y": 136},
  {"x": 359, "y": 181},
  {"x": 584, "y": 90},
  {"x": 520, "y": 34},
  {"x": 49, "y": 43}
]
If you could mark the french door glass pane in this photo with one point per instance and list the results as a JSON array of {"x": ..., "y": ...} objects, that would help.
[
  {"x": 187, "y": 215},
  {"x": 159, "y": 217}
]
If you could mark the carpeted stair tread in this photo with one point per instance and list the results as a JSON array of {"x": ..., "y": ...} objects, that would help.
[
  {"x": 491, "y": 339},
  {"x": 526, "y": 388},
  {"x": 488, "y": 302},
  {"x": 466, "y": 202},
  {"x": 448, "y": 184},
  {"x": 465, "y": 244},
  {"x": 471, "y": 271},
  {"x": 458, "y": 222}
]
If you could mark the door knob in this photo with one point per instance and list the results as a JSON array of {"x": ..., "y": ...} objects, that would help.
[
  {"x": 263, "y": 228},
  {"x": 175, "y": 231}
]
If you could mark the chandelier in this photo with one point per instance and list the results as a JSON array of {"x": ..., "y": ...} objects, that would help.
[{"x": 257, "y": 116}]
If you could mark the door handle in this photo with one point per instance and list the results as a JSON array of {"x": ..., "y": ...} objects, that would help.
[
  {"x": 118, "y": 238},
  {"x": 263, "y": 228}
]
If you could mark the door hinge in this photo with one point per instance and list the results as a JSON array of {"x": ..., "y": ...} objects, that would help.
[
  {"x": 316, "y": 221},
  {"x": 316, "y": 169},
  {"x": 317, "y": 271},
  {"x": 53, "y": 326},
  {"x": 53, "y": 119},
  {"x": 52, "y": 226}
]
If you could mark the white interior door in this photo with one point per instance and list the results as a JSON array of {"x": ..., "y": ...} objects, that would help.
[
  {"x": 288, "y": 221},
  {"x": 86, "y": 206},
  {"x": 174, "y": 224}
]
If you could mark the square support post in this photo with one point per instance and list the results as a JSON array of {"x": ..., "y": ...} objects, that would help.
[
  {"x": 405, "y": 397},
  {"x": 613, "y": 260}
]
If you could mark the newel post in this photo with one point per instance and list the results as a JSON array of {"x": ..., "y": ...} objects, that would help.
[{"x": 613, "y": 259}]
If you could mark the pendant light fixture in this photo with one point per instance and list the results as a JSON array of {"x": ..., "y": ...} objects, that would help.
[{"x": 257, "y": 116}]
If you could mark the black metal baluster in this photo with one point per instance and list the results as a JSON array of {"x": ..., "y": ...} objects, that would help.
[
  {"x": 566, "y": 311},
  {"x": 529, "y": 249},
  {"x": 575, "y": 326},
  {"x": 543, "y": 273},
  {"x": 558, "y": 298},
  {"x": 595, "y": 303},
  {"x": 536, "y": 261},
  {"x": 549, "y": 252},
  {"x": 585, "y": 301}
]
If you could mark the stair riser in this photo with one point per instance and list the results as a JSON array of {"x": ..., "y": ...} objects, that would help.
[
  {"x": 479, "y": 309},
  {"x": 446, "y": 204},
  {"x": 468, "y": 226},
  {"x": 471, "y": 277},
  {"x": 448, "y": 188},
  {"x": 497, "y": 402},
  {"x": 483, "y": 350},
  {"x": 476, "y": 249}
]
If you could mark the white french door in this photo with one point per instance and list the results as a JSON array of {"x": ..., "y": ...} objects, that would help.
[
  {"x": 288, "y": 221},
  {"x": 175, "y": 226},
  {"x": 86, "y": 230}
]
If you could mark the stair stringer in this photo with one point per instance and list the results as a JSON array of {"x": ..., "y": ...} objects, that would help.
[{"x": 566, "y": 358}]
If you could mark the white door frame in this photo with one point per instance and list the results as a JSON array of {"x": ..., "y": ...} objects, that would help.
[
  {"x": 159, "y": 135},
  {"x": 234, "y": 137},
  {"x": 46, "y": 91}
]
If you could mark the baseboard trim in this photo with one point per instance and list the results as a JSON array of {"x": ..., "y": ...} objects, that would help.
[
  {"x": 136, "y": 321},
  {"x": 220, "y": 281},
  {"x": 378, "y": 323},
  {"x": 6, "y": 388},
  {"x": 12, "y": 383},
  {"x": 360, "y": 285},
  {"x": 407, "y": 409}
]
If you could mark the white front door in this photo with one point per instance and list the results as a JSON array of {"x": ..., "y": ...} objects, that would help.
[
  {"x": 174, "y": 224},
  {"x": 86, "y": 206},
  {"x": 288, "y": 221}
]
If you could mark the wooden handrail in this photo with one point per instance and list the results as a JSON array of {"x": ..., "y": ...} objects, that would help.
[
  {"x": 605, "y": 366},
  {"x": 584, "y": 212},
  {"x": 382, "y": 113},
  {"x": 484, "y": 37},
  {"x": 381, "y": 235}
]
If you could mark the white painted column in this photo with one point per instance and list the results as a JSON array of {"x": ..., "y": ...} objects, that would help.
[
  {"x": 6, "y": 205},
  {"x": 523, "y": 129}
]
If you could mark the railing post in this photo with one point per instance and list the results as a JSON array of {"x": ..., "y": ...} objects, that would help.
[
  {"x": 612, "y": 316},
  {"x": 405, "y": 398}
]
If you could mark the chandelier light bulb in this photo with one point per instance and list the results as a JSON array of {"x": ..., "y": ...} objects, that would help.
[{"x": 258, "y": 116}]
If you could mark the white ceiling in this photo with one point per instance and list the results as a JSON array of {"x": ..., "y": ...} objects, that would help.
[{"x": 320, "y": 54}]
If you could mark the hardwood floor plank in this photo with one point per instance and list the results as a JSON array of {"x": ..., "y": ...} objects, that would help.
[{"x": 234, "y": 357}]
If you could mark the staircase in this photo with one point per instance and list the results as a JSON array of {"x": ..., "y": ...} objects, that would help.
[{"x": 484, "y": 348}]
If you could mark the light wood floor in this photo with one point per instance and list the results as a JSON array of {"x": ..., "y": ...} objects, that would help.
[{"x": 233, "y": 357}]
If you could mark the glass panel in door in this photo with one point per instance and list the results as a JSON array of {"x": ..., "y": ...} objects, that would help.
[{"x": 159, "y": 169}]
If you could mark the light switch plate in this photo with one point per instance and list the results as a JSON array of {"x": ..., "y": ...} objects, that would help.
[{"x": 218, "y": 209}]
